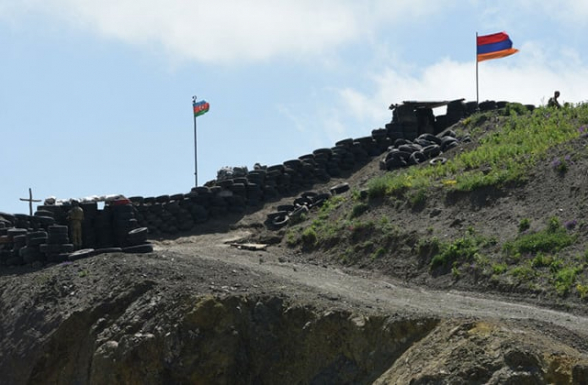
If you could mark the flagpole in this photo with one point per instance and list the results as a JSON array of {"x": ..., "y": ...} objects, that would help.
[
  {"x": 195, "y": 144},
  {"x": 477, "y": 88}
]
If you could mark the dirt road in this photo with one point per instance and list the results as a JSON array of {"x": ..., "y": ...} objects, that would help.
[{"x": 359, "y": 288}]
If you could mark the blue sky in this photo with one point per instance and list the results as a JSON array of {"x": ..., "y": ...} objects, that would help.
[{"x": 95, "y": 96}]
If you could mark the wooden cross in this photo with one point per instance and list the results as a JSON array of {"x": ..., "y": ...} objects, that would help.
[{"x": 30, "y": 200}]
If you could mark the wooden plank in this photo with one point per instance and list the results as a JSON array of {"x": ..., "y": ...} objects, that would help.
[{"x": 249, "y": 246}]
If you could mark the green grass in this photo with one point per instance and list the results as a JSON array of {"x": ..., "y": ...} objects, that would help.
[
  {"x": 379, "y": 253},
  {"x": 523, "y": 273},
  {"x": 309, "y": 237},
  {"x": 358, "y": 210},
  {"x": 502, "y": 156},
  {"x": 565, "y": 279},
  {"x": 464, "y": 249},
  {"x": 524, "y": 225},
  {"x": 550, "y": 240},
  {"x": 538, "y": 257},
  {"x": 499, "y": 268}
]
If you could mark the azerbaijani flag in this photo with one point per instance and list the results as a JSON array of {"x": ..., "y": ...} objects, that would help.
[
  {"x": 201, "y": 108},
  {"x": 494, "y": 46}
]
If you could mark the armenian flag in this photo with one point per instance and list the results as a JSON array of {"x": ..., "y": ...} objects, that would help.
[
  {"x": 201, "y": 107},
  {"x": 494, "y": 46}
]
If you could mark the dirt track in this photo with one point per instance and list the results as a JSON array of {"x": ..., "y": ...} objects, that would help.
[
  {"x": 363, "y": 290},
  {"x": 62, "y": 320}
]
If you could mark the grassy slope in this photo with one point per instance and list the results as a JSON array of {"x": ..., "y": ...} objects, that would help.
[{"x": 461, "y": 223}]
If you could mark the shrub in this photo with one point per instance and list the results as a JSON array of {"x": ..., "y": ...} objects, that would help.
[
  {"x": 523, "y": 273},
  {"x": 499, "y": 268},
  {"x": 358, "y": 210},
  {"x": 564, "y": 279},
  {"x": 524, "y": 225},
  {"x": 309, "y": 237},
  {"x": 292, "y": 237},
  {"x": 582, "y": 290},
  {"x": 553, "y": 224},
  {"x": 552, "y": 239},
  {"x": 514, "y": 109},
  {"x": 379, "y": 253},
  {"x": 418, "y": 197},
  {"x": 462, "y": 249},
  {"x": 541, "y": 260}
]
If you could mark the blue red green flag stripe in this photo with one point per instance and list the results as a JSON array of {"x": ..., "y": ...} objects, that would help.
[{"x": 201, "y": 108}]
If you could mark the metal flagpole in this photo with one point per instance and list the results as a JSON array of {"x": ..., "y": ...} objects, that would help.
[
  {"x": 477, "y": 92},
  {"x": 195, "y": 144}
]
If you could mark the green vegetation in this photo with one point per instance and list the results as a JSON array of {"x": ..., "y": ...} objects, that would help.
[
  {"x": 464, "y": 249},
  {"x": 523, "y": 273},
  {"x": 358, "y": 210},
  {"x": 379, "y": 253},
  {"x": 309, "y": 237},
  {"x": 524, "y": 225},
  {"x": 499, "y": 268},
  {"x": 582, "y": 290},
  {"x": 552, "y": 239},
  {"x": 501, "y": 157},
  {"x": 542, "y": 255},
  {"x": 565, "y": 278}
]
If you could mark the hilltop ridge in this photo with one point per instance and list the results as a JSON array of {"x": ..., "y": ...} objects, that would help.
[{"x": 469, "y": 267}]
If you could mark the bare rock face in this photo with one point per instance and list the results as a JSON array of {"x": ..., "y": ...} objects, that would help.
[
  {"x": 175, "y": 319},
  {"x": 487, "y": 353},
  {"x": 238, "y": 340}
]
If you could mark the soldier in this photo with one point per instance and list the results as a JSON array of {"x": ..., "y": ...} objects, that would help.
[
  {"x": 75, "y": 218},
  {"x": 553, "y": 100}
]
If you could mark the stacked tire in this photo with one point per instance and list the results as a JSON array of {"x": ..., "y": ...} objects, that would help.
[
  {"x": 42, "y": 219},
  {"x": 32, "y": 253},
  {"x": 424, "y": 148},
  {"x": 200, "y": 200},
  {"x": 123, "y": 221},
  {"x": 456, "y": 110},
  {"x": 137, "y": 241},
  {"x": 17, "y": 240},
  {"x": 58, "y": 246},
  {"x": 89, "y": 238},
  {"x": 219, "y": 206},
  {"x": 301, "y": 205},
  {"x": 488, "y": 105},
  {"x": 103, "y": 229}
]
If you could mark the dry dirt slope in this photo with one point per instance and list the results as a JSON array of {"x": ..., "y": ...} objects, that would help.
[
  {"x": 202, "y": 312},
  {"x": 398, "y": 237},
  {"x": 198, "y": 311}
]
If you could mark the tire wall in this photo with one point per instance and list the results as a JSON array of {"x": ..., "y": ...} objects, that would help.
[{"x": 182, "y": 212}]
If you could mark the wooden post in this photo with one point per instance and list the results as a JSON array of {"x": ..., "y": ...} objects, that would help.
[{"x": 30, "y": 200}]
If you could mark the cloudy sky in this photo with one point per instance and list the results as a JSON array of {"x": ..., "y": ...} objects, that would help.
[{"x": 95, "y": 95}]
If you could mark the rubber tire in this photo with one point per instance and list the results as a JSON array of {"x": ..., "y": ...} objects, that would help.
[
  {"x": 106, "y": 250},
  {"x": 430, "y": 138},
  {"x": 80, "y": 254},
  {"x": 280, "y": 221},
  {"x": 438, "y": 160},
  {"x": 139, "y": 249},
  {"x": 278, "y": 214},
  {"x": 339, "y": 189},
  {"x": 417, "y": 157}
]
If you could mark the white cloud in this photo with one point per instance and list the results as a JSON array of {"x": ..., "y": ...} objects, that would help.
[
  {"x": 565, "y": 10},
  {"x": 229, "y": 30},
  {"x": 528, "y": 79}
]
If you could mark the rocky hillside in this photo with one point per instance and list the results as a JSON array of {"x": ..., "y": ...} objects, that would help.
[
  {"x": 468, "y": 269},
  {"x": 503, "y": 213}
]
